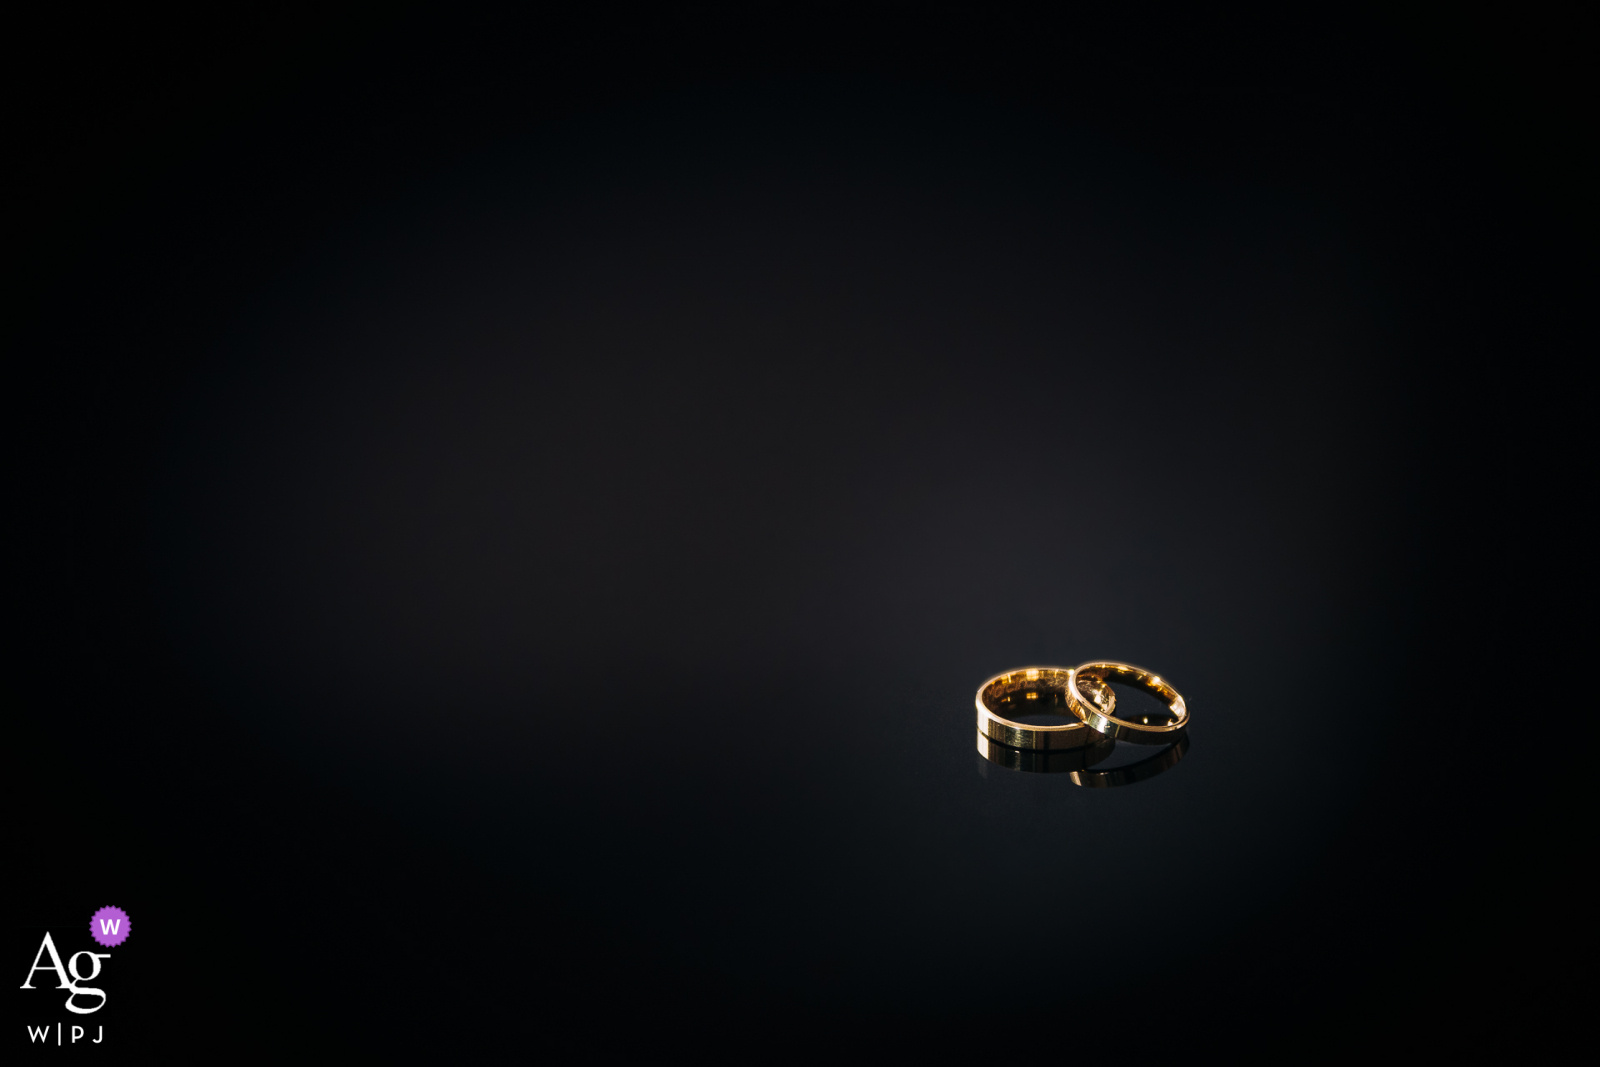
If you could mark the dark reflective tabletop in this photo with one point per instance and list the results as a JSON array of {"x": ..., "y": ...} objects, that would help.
[{"x": 515, "y": 585}]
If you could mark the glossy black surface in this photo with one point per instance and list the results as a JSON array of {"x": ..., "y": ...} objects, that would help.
[{"x": 517, "y": 545}]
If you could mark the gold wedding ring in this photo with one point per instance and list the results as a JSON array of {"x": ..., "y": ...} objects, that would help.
[
  {"x": 1036, "y": 691},
  {"x": 1084, "y": 698}
]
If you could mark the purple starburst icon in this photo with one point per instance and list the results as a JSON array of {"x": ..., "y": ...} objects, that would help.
[{"x": 109, "y": 926}]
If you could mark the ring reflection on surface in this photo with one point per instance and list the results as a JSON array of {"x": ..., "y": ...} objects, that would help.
[
  {"x": 1144, "y": 770},
  {"x": 1078, "y": 764},
  {"x": 1045, "y": 761}
]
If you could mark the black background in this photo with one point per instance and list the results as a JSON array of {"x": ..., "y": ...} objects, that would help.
[{"x": 516, "y": 512}]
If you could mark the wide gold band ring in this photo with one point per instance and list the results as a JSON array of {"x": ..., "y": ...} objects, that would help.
[
  {"x": 1088, "y": 704},
  {"x": 1035, "y": 691}
]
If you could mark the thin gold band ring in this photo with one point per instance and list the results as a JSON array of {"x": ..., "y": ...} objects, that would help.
[{"x": 1093, "y": 712}]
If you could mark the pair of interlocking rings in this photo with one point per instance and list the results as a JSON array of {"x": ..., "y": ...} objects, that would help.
[{"x": 1083, "y": 694}]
